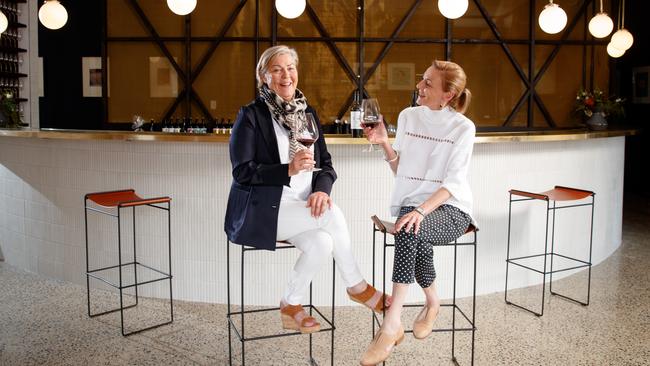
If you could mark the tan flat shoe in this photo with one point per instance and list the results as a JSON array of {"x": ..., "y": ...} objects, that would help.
[
  {"x": 381, "y": 347},
  {"x": 423, "y": 324},
  {"x": 288, "y": 315},
  {"x": 364, "y": 296}
]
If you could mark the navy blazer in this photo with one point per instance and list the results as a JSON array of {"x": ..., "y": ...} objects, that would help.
[{"x": 258, "y": 176}]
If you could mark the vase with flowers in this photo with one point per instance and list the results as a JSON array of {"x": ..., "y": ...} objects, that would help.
[
  {"x": 594, "y": 108},
  {"x": 10, "y": 116}
]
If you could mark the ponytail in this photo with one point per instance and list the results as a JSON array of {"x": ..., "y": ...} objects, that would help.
[{"x": 461, "y": 102}]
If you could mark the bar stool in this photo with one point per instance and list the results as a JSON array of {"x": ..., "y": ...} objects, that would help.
[
  {"x": 388, "y": 228},
  {"x": 125, "y": 199},
  {"x": 241, "y": 313},
  {"x": 551, "y": 197}
]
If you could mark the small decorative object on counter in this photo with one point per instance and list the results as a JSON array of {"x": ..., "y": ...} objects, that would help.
[
  {"x": 594, "y": 109},
  {"x": 138, "y": 121}
]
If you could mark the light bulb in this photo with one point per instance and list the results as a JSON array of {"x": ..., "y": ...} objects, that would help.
[
  {"x": 552, "y": 19},
  {"x": 613, "y": 51},
  {"x": 452, "y": 9},
  {"x": 52, "y": 14},
  {"x": 4, "y": 22},
  {"x": 622, "y": 39},
  {"x": 601, "y": 25},
  {"x": 290, "y": 9},
  {"x": 181, "y": 7}
]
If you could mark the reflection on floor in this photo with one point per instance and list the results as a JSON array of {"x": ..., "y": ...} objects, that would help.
[{"x": 44, "y": 322}]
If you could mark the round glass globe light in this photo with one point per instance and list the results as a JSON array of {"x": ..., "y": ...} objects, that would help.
[
  {"x": 613, "y": 51},
  {"x": 622, "y": 39},
  {"x": 601, "y": 25},
  {"x": 290, "y": 9},
  {"x": 52, "y": 14},
  {"x": 552, "y": 19},
  {"x": 181, "y": 7},
  {"x": 4, "y": 22},
  {"x": 453, "y": 9}
]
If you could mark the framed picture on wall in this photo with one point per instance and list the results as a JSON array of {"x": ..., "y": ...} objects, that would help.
[
  {"x": 163, "y": 80},
  {"x": 91, "y": 76},
  {"x": 401, "y": 76},
  {"x": 640, "y": 89}
]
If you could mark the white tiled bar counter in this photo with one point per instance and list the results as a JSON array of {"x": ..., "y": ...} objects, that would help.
[{"x": 44, "y": 176}]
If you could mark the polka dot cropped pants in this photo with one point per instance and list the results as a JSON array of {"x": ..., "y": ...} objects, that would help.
[{"x": 414, "y": 253}]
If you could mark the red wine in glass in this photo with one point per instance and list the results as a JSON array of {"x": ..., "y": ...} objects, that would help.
[
  {"x": 370, "y": 116},
  {"x": 307, "y": 142},
  {"x": 307, "y": 133},
  {"x": 369, "y": 123}
]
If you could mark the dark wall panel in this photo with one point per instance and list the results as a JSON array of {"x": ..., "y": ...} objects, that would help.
[{"x": 63, "y": 105}]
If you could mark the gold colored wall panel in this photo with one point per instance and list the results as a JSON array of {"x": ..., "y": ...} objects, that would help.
[{"x": 228, "y": 79}]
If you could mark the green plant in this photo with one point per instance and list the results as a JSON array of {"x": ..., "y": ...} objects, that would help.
[
  {"x": 10, "y": 116},
  {"x": 590, "y": 102}
]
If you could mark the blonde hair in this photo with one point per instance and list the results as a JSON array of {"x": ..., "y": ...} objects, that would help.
[
  {"x": 266, "y": 58},
  {"x": 454, "y": 80}
]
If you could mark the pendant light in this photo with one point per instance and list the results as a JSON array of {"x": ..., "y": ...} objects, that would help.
[
  {"x": 4, "y": 22},
  {"x": 601, "y": 25},
  {"x": 552, "y": 19},
  {"x": 622, "y": 39},
  {"x": 181, "y": 7},
  {"x": 613, "y": 51},
  {"x": 453, "y": 9},
  {"x": 290, "y": 9},
  {"x": 52, "y": 14}
]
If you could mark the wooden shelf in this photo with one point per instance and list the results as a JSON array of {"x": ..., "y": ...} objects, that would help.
[
  {"x": 12, "y": 75},
  {"x": 12, "y": 49}
]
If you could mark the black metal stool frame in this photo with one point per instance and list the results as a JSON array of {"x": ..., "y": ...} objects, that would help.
[
  {"x": 455, "y": 244},
  {"x": 546, "y": 254},
  {"x": 241, "y": 335},
  {"x": 121, "y": 286}
]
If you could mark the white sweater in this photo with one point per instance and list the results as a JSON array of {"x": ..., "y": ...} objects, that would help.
[{"x": 435, "y": 149}]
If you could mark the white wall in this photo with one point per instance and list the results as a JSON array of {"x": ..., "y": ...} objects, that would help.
[{"x": 42, "y": 184}]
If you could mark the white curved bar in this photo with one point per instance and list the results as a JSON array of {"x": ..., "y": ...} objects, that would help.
[{"x": 43, "y": 181}]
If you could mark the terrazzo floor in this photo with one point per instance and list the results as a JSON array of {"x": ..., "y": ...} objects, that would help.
[{"x": 44, "y": 322}]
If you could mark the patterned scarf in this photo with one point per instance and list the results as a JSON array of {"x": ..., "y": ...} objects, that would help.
[{"x": 286, "y": 113}]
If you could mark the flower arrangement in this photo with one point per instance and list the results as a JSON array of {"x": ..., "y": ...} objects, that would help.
[
  {"x": 588, "y": 103},
  {"x": 10, "y": 116}
]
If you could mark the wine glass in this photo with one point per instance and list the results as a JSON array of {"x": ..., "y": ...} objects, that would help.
[
  {"x": 307, "y": 133},
  {"x": 370, "y": 116}
]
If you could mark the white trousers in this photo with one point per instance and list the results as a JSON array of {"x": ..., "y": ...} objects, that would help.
[{"x": 316, "y": 238}]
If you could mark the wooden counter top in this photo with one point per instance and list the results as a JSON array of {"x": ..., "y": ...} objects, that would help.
[{"x": 481, "y": 137}]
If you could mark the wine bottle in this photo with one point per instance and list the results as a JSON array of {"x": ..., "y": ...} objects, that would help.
[
  {"x": 414, "y": 98},
  {"x": 355, "y": 115},
  {"x": 177, "y": 125},
  {"x": 338, "y": 129}
]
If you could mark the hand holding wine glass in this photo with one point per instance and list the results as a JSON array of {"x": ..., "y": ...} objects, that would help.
[
  {"x": 307, "y": 133},
  {"x": 376, "y": 134},
  {"x": 370, "y": 117}
]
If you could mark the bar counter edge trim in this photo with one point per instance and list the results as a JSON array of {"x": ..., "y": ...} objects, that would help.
[{"x": 481, "y": 137}]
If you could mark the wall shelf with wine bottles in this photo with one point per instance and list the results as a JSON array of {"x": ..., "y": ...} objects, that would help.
[{"x": 11, "y": 59}]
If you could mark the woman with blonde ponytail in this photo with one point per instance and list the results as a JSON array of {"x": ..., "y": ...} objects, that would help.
[{"x": 431, "y": 196}]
